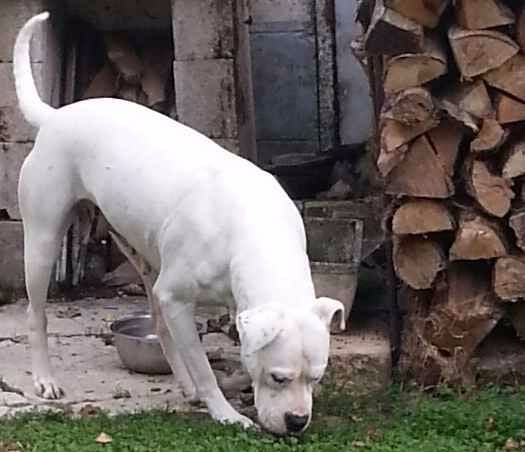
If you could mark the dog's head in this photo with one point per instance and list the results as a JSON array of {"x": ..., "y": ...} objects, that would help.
[{"x": 286, "y": 353}]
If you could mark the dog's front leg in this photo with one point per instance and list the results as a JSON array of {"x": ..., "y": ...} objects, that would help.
[
  {"x": 174, "y": 356},
  {"x": 179, "y": 319}
]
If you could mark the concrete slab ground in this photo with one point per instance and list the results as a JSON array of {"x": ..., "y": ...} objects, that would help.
[{"x": 88, "y": 367}]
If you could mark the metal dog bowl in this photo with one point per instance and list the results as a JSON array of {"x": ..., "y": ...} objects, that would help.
[{"x": 138, "y": 345}]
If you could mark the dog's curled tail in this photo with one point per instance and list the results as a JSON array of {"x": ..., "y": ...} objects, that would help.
[{"x": 34, "y": 109}]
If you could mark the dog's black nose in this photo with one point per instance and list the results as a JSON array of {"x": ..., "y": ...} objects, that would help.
[{"x": 295, "y": 423}]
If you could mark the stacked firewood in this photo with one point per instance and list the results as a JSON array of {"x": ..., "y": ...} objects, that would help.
[
  {"x": 138, "y": 73},
  {"x": 452, "y": 154}
]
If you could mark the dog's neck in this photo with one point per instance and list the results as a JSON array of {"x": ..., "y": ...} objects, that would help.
[{"x": 271, "y": 278}]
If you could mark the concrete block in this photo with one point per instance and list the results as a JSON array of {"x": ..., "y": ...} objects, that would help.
[
  {"x": 205, "y": 96},
  {"x": 13, "y": 126},
  {"x": 360, "y": 360},
  {"x": 231, "y": 145},
  {"x": 365, "y": 209},
  {"x": 7, "y": 83},
  {"x": 11, "y": 258},
  {"x": 203, "y": 29},
  {"x": 14, "y": 14},
  {"x": 12, "y": 156}
]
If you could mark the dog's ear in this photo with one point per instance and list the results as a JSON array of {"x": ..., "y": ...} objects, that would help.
[
  {"x": 258, "y": 327},
  {"x": 325, "y": 308}
]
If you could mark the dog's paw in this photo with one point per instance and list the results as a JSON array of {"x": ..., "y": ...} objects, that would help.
[
  {"x": 47, "y": 388},
  {"x": 237, "y": 418}
]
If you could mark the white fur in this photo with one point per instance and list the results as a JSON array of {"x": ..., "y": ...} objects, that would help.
[{"x": 216, "y": 227}]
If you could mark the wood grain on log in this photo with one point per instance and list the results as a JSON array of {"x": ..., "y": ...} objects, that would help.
[
  {"x": 517, "y": 223},
  {"x": 104, "y": 84},
  {"x": 509, "y": 278},
  {"x": 422, "y": 216},
  {"x": 492, "y": 193},
  {"x": 490, "y": 138},
  {"x": 472, "y": 98},
  {"x": 514, "y": 161},
  {"x": 480, "y": 14},
  {"x": 446, "y": 140},
  {"x": 509, "y": 77},
  {"x": 411, "y": 107},
  {"x": 455, "y": 112},
  {"x": 418, "y": 260},
  {"x": 478, "y": 238},
  {"x": 395, "y": 137},
  {"x": 463, "y": 312},
  {"x": 391, "y": 33},
  {"x": 421, "y": 173},
  {"x": 508, "y": 109},
  {"x": 478, "y": 51},
  {"x": 415, "y": 69},
  {"x": 424, "y": 12}
]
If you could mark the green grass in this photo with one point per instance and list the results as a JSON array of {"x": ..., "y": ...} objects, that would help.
[{"x": 398, "y": 421}]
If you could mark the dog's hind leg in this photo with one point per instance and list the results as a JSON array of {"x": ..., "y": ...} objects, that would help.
[{"x": 46, "y": 213}]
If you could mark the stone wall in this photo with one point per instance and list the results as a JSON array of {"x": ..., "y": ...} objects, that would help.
[
  {"x": 16, "y": 135},
  {"x": 208, "y": 94}
]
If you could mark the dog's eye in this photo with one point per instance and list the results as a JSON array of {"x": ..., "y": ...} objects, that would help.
[{"x": 279, "y": 380}]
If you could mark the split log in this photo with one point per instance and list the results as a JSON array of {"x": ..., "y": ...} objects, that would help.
[
  {"x": 481, "y": 14},
  {"x": 130, "y": 92},
  {"x": 421, "y": 173},
  {"x": 415, "y": 69},
  {"x": 388, "y": 160},
  {"x": 104, "y": 84},
  {"x": 460, "y": 115},
  {"x": 478, "y": 238},
  {"x": 446, "y": 140},
  {"x": 472, "y": 98},
  {"x": 509, "y": 77},
  {"x": 424, "y": 12},
  {"x": 520, "y": 29},
  {"x": 493, "y": 193},
  {"x": 391, "y": 33},
  {"x": 490, "y": 138},
  {"x": 418, "y": 260},
  {"x": 422, "y": 216},
  {"x": 442, "y": 332},
  {"x": 395, "y": 134},
  {"x": 514, "y": 161},
  {"x": 509, "y": 278},
  {"x": 479, "y": 51},
  {"x": 508, "y": 109},
  {"x": 463, "y": 312},
  {"x": 123, "y": 57},
  {"x": 395, "y": 137},
  {"x": 517, "y": 223},
  {"x": 411, "y": 107}
]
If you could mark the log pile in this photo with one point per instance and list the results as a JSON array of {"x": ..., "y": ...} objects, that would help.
[
  {"x": 138, "y": 73},
  {"x": 451, "y": 150}
]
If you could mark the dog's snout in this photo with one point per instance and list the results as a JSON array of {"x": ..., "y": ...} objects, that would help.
[{"x": 295, "y": 423}]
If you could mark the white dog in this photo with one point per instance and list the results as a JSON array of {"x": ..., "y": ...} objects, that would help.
[{"x": 216, "y": 227}]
